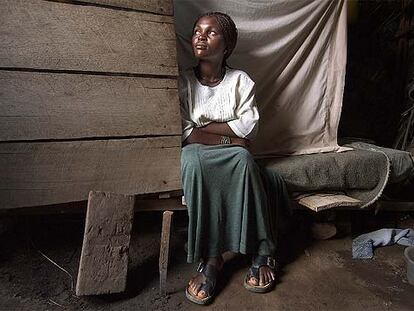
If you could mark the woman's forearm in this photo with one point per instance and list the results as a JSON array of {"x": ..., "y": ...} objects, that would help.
[
  {"x": 198, "y": 136},
  {"x": 219, "y": 129}
]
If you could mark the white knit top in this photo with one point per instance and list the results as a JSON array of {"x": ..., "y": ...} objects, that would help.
[{"x": 231, "y": 101}]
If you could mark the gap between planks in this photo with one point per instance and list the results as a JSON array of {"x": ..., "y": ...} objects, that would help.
[
  {"x": 94, "y": 73},
  {"x": 107, "y": 5}
]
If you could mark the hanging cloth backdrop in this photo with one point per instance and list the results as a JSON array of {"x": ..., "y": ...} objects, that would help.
[{"x": 295, "y": 51}]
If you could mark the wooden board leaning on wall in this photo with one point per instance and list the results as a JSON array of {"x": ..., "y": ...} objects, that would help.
[
  {"x": 64, "y": 36},
  {"x": 41, "y": 173},
  {"x": 163, "y": 7},
  {"x": 66, "y": 106}
]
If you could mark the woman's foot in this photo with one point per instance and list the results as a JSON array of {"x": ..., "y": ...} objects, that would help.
[
  {"x": 201, "y": 286},
  {"x": 261, "y": 276},
  {"x": 266, "y": 275}
]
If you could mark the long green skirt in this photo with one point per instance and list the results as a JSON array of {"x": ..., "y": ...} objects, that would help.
[{"x": 232, "y": 202}]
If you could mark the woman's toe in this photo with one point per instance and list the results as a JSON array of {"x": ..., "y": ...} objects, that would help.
[
  {"x": 253, "y": 281},
  {"x": 201, "y": 294},
  {"x": 270, "y": 277},
  {"x": 262, "y": 278},
  {"x": 193, "y": 288},
  {"x": 265, "y": 280}
]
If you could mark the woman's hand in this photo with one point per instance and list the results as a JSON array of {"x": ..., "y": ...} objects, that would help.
[
  {"x": 202, "y": 137},
  {"x": 198, "y": 136}
]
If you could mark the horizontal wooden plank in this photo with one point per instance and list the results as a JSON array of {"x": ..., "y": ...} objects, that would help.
[
  {"x": 164, "y": 7},
  {"x": 395, "y": 206},
  {"x": 60, "y": 36},
  {"x": 141, "y": 205},
  {"x": 38, "y": 173},
  {"x": 172, "y": 204},
  {"x": 65, "y": 106}
]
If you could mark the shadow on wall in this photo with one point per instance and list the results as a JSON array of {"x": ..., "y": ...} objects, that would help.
[{"x": 369, "y": 108}]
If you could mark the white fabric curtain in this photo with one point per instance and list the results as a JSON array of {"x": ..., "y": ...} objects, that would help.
[{"x": 295, "y": 51}]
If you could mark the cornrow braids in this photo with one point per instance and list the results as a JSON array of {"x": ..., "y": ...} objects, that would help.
[{"x": 229, "y": 29}]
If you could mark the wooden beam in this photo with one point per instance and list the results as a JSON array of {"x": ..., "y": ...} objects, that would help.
[
  {"x": 65, "y": 106},
  {"x": 141, "y": 205},
  {"x": 49, "y": 35},
  {"x": 104, "y": 259},
  {"x": 147, "y": 205},
  {"x": 164, "y": 7},
  {"x": 395, "y": 206},
  {"x": 43, "y": 173}
]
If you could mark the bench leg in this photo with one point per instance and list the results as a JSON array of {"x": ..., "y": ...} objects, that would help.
[{"x": 165, "y": 250}]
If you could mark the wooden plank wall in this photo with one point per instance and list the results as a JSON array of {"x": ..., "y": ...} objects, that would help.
[{"x": 88, "y": 100}]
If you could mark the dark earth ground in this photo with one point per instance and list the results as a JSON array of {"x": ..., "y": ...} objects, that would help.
[{"x": 316, "y": 275}]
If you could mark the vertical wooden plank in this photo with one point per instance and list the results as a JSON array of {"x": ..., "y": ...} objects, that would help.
[
  {"x": 165, "y": 250},
  {"x": 104, "y": 259}
]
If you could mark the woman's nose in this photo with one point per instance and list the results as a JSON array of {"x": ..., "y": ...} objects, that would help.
[{"x": 202, "y": 37}]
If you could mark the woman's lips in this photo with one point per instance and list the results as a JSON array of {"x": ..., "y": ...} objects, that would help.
[{"x": 201, "y": 46}]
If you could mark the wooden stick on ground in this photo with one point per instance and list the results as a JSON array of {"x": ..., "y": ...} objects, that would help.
[{"x": 165, "y": 250}]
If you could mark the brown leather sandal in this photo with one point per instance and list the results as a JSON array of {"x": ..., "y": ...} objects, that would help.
[{"x": 210, "y": 274}]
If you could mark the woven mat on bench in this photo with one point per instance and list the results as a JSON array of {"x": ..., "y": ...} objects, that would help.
[{"x": 360, "y": 174}]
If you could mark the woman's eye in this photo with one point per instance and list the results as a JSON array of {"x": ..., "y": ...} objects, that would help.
[{"x": 213, "y": 33}]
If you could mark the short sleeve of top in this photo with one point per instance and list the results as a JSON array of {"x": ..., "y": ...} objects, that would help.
[{"x": 232, "y": 101}]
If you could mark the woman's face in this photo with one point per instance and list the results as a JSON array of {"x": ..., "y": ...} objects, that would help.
[{"x": 208, "y": 41}]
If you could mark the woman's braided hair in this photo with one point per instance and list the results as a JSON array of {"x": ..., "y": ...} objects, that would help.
[{"x": 228, "y": 27}]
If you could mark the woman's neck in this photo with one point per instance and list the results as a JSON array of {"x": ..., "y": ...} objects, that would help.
[{"x": 210, "y": 72}]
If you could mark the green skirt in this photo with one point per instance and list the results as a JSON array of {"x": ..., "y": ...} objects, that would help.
[{"x": 232, "y": 202}]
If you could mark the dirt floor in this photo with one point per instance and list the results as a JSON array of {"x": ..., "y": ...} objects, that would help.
[{"x": 316, "y": 275}]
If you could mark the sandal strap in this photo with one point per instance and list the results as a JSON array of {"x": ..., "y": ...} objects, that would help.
[
  {"x": 210, "y": 272},
  {"x": 260, "y": 260}
]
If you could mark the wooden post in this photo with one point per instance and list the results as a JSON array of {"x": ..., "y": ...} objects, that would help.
[
  {"x": 165, "y": 250},
  {"x": 104, "y": 259}
]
